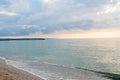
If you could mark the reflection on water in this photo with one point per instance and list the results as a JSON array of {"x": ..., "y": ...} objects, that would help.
[{"x": 93, "y": 54}]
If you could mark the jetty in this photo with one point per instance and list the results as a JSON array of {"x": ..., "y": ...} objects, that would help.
[{"x": 11, "y": 39}]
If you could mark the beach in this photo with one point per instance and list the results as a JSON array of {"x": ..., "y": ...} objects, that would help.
[{"x": 8, "y": 72}]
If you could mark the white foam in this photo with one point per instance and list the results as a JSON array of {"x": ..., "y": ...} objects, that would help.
[
  {"x": 21, "y": 66},
  {"x": 49, "y": 71},
  {"x": 3, "y": 58}
]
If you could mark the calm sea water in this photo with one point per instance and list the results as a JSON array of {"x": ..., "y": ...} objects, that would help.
[{"x": 57, "y": 59}]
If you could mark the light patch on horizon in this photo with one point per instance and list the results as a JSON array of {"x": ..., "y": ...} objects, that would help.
[
  {"x": 8, "y": 13},
  {"x": 93, "y": 33},
  {"x": 77, "y": 34}
]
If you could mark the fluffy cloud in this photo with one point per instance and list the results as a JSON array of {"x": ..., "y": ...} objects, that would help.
[
  {"x": 8, "y": 13},
  {"x": 111, "y": 8},
  {"x": 48, "y": 16}
]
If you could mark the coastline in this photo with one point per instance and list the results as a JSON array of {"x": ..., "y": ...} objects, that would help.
[
  {"x": 8, "y": 72},
  {"x": 18, "y": 39}
]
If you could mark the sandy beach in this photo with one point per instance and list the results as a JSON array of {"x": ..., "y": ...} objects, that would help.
[{"x": 8, "y": 72}]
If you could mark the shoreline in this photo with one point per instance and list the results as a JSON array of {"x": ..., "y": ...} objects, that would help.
[{"x": 8, "y": 72}]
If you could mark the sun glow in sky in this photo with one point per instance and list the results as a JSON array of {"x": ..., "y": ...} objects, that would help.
[
  {"x": 46, "y": 1},
  {"x": 60, "y": 18},
  {"x": 95, "y": 33}
]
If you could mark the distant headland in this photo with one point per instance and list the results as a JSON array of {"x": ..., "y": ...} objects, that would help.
[{"x": 11, "y": 39}]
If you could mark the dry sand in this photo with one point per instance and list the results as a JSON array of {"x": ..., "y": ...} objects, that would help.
[{"x": 8, "y": 72}]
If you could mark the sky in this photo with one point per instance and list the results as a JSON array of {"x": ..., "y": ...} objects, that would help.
[{"x": 60, "y": 18}]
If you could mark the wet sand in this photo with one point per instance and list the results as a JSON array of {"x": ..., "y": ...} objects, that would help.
[{"x": 8, "y": 72}]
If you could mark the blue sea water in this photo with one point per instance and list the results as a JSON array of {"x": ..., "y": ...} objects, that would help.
[{"x": 57, "y": 59}]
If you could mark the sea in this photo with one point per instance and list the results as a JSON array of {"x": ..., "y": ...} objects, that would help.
[{"x": 65, "y": 59}]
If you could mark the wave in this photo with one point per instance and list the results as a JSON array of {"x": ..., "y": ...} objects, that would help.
[
  {"x": 19, "y": 65},
  {"x": 112, "y": 76},
  {"x": 58, "y": 71}
]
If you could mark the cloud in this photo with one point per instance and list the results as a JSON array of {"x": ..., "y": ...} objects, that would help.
[
  {"x": 50, "y": 16},
  {"x": 28, "y": 26},
  {"x": 113, "y": 7},
  {"x": 78, "y": 33},
  {"x": 7, "y": 13},
  {"x": 4, "y": 3},
  {"x": 46, "y": 1}
]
